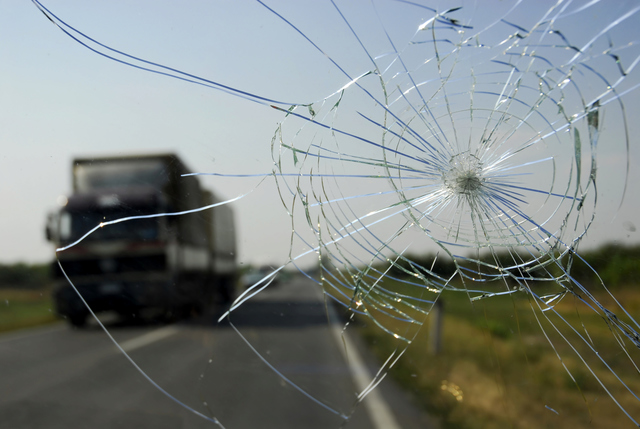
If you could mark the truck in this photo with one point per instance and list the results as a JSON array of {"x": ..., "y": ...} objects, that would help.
[{"x": 178, "y": 263}]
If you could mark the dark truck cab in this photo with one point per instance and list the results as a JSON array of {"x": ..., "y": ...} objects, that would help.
[{"x": 172, "y": 263}]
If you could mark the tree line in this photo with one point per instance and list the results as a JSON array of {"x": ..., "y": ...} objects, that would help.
[
  {"x": 27, "y": 276},
  {"x": 615, "y": 264}
]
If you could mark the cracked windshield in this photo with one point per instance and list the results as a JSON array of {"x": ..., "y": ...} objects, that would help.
[{"x": 330, "y": 214}]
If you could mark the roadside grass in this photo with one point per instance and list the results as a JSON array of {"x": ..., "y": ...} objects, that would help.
[
  {"x": 24, "y": 308},
  {"x": 497, "y": 368}
]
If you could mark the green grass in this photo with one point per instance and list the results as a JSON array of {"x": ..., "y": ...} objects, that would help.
[
  {"x": 498, "y": 370},
  {"x": 20, "y": 308}
]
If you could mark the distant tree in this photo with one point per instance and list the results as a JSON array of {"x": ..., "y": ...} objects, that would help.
[
  {"x": 615, "y": 264},
  {"x": 23, "y": 275}
]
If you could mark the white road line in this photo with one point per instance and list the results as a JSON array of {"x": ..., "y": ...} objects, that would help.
[
  {"x": 377, "y": 408},
  {"x": 146, "y": 339}
]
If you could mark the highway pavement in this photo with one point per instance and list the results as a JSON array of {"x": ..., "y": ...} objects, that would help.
[{"x": 281, "y": 364}]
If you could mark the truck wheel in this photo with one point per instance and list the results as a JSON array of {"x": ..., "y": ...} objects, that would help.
[
  {"x": 226, "y": 290},
  {"x": 173, "y": 314},
  {"x": 196, "y": 310},
  {"x": 77, "y": 320},
  {"x": 131, "y": 316}
]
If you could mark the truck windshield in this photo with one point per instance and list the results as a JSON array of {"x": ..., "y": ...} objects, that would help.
[
  {"x": 113, "y": 174},
  {"x": 81, "y": 223}
]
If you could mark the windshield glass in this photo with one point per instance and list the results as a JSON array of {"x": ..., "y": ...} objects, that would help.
[
  {"x": 119, "y": 173},
  {"x": 81, "y": 223},
  {"x": 372, "y": 214}
]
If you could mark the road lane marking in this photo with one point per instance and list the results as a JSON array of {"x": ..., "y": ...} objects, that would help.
[
  {"x": 379, "y": 412},
  {"x": 146, "y": 339}
]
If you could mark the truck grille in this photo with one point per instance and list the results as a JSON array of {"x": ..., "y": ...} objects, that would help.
[{"x": 125, "y": 264}]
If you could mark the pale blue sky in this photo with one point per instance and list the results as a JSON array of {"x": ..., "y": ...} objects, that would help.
[{"x": 58, "y": 100}]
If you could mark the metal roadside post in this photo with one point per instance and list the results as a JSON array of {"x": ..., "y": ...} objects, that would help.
[{"x": 435, "y": 328}]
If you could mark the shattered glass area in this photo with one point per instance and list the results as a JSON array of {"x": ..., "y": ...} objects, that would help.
[{"x": 478, "y": 139}]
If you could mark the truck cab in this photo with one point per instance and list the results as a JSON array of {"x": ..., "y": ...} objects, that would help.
[{"x": 123, "y": 253}]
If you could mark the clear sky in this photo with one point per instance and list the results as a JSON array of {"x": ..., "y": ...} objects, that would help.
[{"x": 59, "y": 100}]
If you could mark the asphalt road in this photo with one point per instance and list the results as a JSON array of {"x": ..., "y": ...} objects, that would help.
[{"x": 58, "y": 377}]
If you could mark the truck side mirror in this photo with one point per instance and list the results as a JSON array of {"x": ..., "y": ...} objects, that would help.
[
  {"x": 47, "y": 230},
  {"x": 51, "y": 230}
]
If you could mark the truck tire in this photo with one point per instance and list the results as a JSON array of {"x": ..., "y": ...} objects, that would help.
[
  {"x": 226, "y": 291},
  {"x": 77, "y": 320}
]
